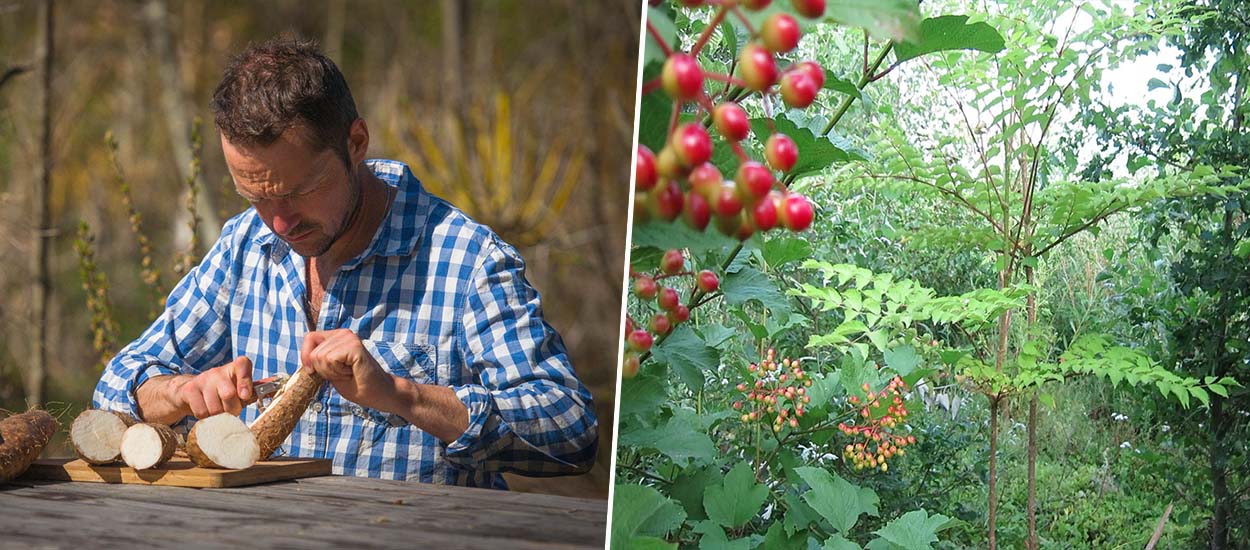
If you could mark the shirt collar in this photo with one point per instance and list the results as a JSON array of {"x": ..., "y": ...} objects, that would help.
[{"x": 399, "y": 232}]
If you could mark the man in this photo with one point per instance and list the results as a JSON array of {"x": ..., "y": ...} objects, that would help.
[{"x": 440, "y": 365}]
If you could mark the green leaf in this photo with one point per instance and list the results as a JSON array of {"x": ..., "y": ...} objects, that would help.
[
  {"x": 677, "y": 439},
  {"x": 837, "y": 542},
  {"x": 893, "y": 19},
  {"x": 817, "y": 151},
  {"x": 666, "y": 235},
  {"x": 714, "y": 538},
  {"x": 915, "y": 530},
  {"x": 902, "y": 359},
  {"x": 777, "y": 538},
  {"x": 660, "y": 20},
  {"x": 844, "y": 86},
  {"x": 950, "y": 32},
  {"x": 687, "y": 355},
  {"x": 1154, "y": 84},
  {"x": 688, "y": 489},
  {"x": 642, "y": 394},
  {"x": 716, "y": 334},
  {"x": 653, "y": 121},
  {"x": 1218, "y": 390},
  {"x": 781, "y": 251},
  {"x": 1201, "y": 395},
  {"x": 749, "y": 284},
  {"x": 836, "y": 499},
  {"x": 639, "y": 512},
  {"x": 735, "y": 502}
]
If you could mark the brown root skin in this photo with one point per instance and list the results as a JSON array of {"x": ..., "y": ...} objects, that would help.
[
  {"x": 24, "y": 437},
  {"x": 195, "y": 454},
  {"x": 222, "y": 441},
  {"x": 78, "y": 435},
  {"x": 274, "y": 425}
]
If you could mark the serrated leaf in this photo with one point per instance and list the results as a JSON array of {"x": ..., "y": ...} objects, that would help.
[
  {"x": 688, "y": 356},
  {"x": 777, "y": 538},
  {"x": 915, "y": 530},
  {"x": 642, "y": 395},
  {"x": 688, "y": 489},
  {"x": 902, "y": 360},
  {"x": 677, "y": 438},
  {"x": 783, "y": 250},
  {"x": 816, "y": 151},
  {"x": 836, "y": 499},
  {"x": 655, "y": 109},
  {"x": 716, "y": 335},
  {"x": 838, "y": 542},
  {"x": 893, "y": 19},
  {"x": 714, "y": 539},
  {"x": 749, "y": 284},
  {"x": 669, "y": 235},
  {"x": 640, "y": 512},
  {"x": 844, "y": 86},
  {"x": 737, "y": 500},
  {"x": 950, "y": 32}
]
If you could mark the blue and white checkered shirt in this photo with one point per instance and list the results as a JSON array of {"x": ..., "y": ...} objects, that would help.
[{"x": 436, "y": 298}]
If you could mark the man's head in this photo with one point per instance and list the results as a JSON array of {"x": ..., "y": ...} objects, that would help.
[{"x": 292, "y": 140}]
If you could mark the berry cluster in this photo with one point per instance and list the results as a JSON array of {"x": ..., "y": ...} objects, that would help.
[
  {"x": 777, "y": 393},
  {"x": 651, "y": 287},
  {"x": 680, "y": 181},
  {"x": 879, "y": 414}
]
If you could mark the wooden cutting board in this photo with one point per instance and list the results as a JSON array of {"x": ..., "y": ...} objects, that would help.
[{"x": 179, "y": 472}]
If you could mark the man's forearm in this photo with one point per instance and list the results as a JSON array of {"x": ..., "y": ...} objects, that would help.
[
  {"x": 434, "y": 409},
  {"x": 157, "y": 402}
]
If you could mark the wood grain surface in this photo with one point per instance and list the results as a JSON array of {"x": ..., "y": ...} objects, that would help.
[{"x": 178, "y": 472}]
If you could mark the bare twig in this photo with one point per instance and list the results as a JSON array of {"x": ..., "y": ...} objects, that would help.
[{"x": 1154, "y": 539}]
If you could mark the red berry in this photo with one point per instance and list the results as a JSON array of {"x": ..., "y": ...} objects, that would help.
[
  {"x": 813, "y": 71},
  {"x": 668, "y": 201},
  {"x": 645, "y": 288},
  {"x": 698, "y": 212},
  {"x": 728, "y": 225},
  {"x": 707, "y": 281},
  {"x": 731, "y": 121},
  {"x": 755, "y": 180},
  {"x": 780, "y": 33},
  {"x": 640, "y": 340},
  {"x": 797, "y": 213},
  {"x": 706, "y": 180},
  {"x": 660, "y": 324},
  {"x": 764, "y": 213},
  {"x": 798, "y": 90},
  {"x": 680, "y": 314},
  {"x": 629, "y": 368},
  {"x": 781, "y": 151},
  {"x": 692, "y": 144},
  {"x": 668, "y": 299},
  {"x": 759, "y": 70},
  {"x": 667, "y": 165},
  {"x": 682, "y": 78},
  {"x": 641, "y": 213},
  {"x": 745, "y": 228},
  {"x": 644, "y": 170},
  {"x": 727, "y": 202},
  {"x": 809, "y": 8},
  {"x": 672, "y": 262}
]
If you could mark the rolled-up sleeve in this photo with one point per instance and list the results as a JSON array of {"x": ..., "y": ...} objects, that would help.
[
  {"x": 529, "y": 414},
  {"x": 192, "y": 333}
]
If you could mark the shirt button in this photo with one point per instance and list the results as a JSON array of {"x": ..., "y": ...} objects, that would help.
[
  {"x": 316, "y": 406},
  {"x": 356, "y": 410}
]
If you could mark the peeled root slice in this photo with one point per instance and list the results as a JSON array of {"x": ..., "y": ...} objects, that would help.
[
  {"x": 222, "y": 441},
  {"x": 96, "y": 435},
  {"x": 24, "y": 437},
  {"x": 147, "y": 446}
]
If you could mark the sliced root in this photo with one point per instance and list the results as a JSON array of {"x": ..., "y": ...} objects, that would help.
[
  {"x": 274, "y": 425},
  {"x": 146, "y": 446},
  {"x": 96, "y": 435},
  {"x": 222, "y": 441}
]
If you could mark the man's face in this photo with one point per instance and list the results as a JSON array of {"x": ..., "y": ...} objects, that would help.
[{"x": 305, "y": 197}]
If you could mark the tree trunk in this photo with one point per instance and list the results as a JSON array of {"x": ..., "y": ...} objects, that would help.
[
  {"x": 178, "y": 120},
  {"x": 993, "y": 481},
  {"x": 1031, "y": 504},
  {"x": 1220, "y": 424},
  {"x": 41, "y": 286}
]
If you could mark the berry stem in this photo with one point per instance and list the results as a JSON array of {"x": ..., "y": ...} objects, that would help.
[
  {"x": 668, "y": 275},
  {"x": 652, "y": 85},
  {"x": 742, "y": 155},
  {"x": 672, "y": 120},
  {"x": 707, "y": 32},
  {"x": 863, "y": 81},
  {"x": 725, "y": 78},
  {"x": 659, "y": 39},
  {"x": 694, "y": 300}
]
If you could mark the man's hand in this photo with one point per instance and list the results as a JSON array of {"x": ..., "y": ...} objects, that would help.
[
  {"x": 227, "y": 388},
  {"x": 340, "y": 358}
]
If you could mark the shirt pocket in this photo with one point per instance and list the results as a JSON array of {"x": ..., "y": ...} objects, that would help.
[{"x": 415, "y": 362}]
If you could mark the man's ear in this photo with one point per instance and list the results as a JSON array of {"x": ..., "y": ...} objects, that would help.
[{"x": 358, "y": 141}]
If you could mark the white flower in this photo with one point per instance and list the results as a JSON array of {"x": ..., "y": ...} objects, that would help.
[
  {"x": 1126, "y": 445},
  {"x": 1166, "y": 428}
]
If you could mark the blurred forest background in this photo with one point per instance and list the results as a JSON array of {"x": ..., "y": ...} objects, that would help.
[{"x": 520, "y": 112}]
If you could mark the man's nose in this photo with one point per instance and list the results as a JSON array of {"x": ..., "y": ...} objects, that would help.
[{"x": 284, "y": 222}]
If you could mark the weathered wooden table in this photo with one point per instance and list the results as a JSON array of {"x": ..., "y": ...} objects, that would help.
[{"x": 318, "y": 512}]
